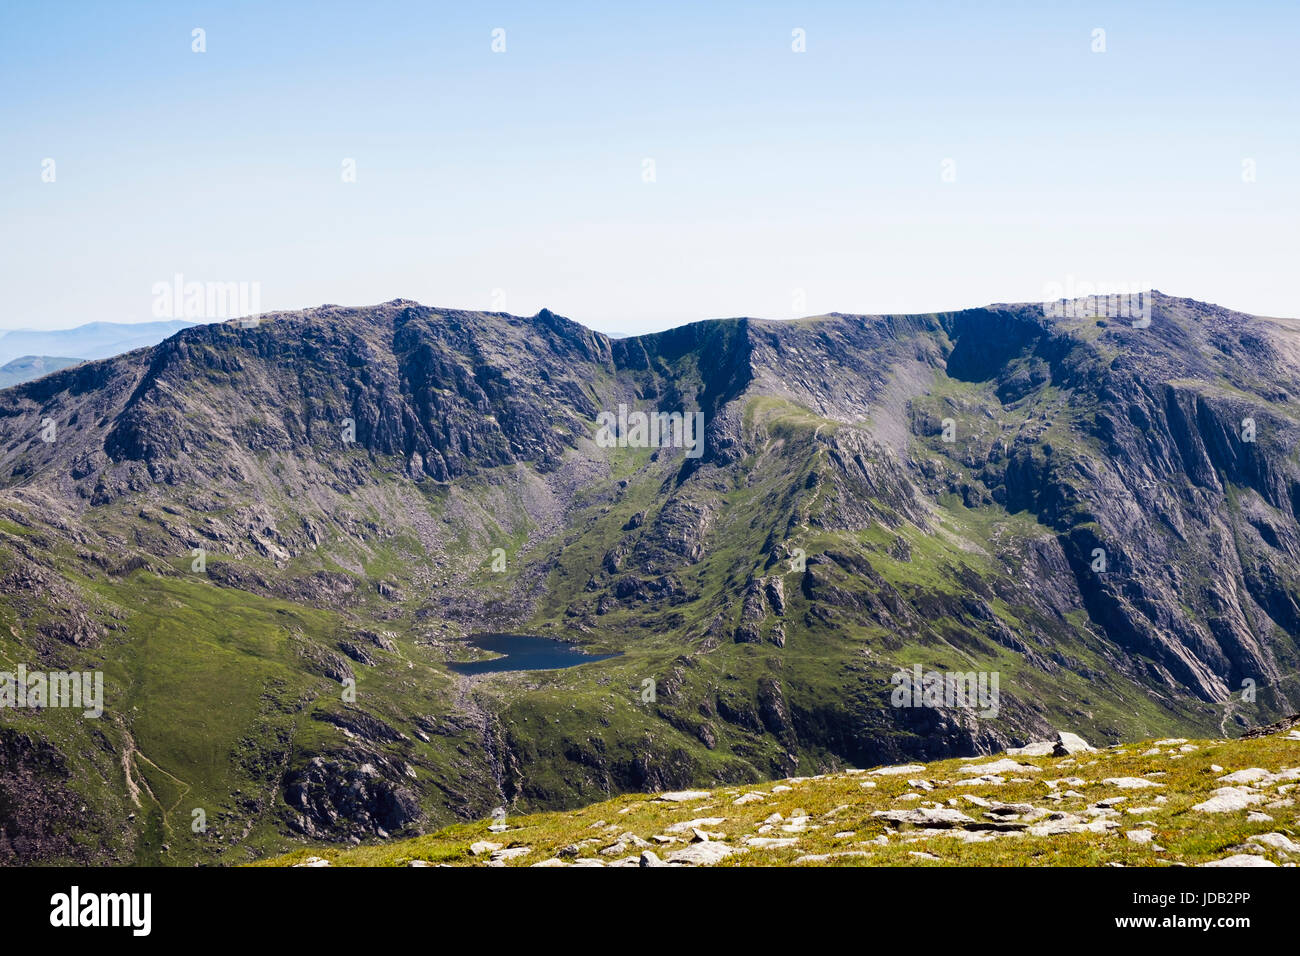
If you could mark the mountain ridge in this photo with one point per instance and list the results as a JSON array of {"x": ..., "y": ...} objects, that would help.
[{"x": 472, "y": 446}]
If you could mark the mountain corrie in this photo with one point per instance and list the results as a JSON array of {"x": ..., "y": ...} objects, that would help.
[{"x": 655, "y": 429}]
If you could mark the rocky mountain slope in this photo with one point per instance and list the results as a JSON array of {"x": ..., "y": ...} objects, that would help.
[
  {"x": 236, "y": 523},
  {"x": 1169, "y": 802}
]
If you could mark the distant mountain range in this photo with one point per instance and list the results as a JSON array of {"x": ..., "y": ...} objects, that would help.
[
  {"x": 28, "y": 367},
  {"x": 40, "y": 349}
]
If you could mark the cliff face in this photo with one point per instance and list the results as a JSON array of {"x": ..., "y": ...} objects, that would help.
[
  {"x": 449, "y": 391},
  {"x": 234, "y": 522}
]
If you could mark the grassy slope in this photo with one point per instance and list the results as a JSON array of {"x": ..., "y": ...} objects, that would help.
[{"x": 210, "y": 696}]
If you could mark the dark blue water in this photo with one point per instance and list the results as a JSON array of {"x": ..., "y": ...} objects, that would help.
[{"x": 524, "y": 653}]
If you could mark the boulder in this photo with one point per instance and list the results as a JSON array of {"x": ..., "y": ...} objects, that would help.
[
  {"x": 1039, "y": 748},
  {"x": 934, "y": 817},
  {"x": 701, "y": 854},
  {"x": 1278, "y": 841},
  {"x": 1068, "y": 743},
  {"x": 771, "y": 843},
  {"x": 1250, "y": 775},
  {"x": 1240, "y": 859},
  {"x": 682, "y": 796},
  {"x": 1228, "y": 799},
  {"x": 896, "y": 771},
  {"x": 999, "y": 766},
  {"x": 1131, "y": 783},
  {"x": 685, "y": 826}
]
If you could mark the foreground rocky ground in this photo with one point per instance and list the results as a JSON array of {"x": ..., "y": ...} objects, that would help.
[{"x": 1170, "y": 802}]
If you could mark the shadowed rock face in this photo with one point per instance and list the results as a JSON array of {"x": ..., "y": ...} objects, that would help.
[
  {"x": 1114, "y": 525},
  {"x": 39, "y": 814}
]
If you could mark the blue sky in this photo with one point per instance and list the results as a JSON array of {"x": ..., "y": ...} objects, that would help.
[{"x": 785, "y": 183}]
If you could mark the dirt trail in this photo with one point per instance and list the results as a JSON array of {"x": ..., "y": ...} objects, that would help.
[{"x": 131, "y": 756}]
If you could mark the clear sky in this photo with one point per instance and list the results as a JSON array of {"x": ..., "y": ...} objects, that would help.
[{"x": 785, "y": 183}]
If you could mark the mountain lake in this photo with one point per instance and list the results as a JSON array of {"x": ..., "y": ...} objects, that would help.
[{"x": 523, "y": 653}]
